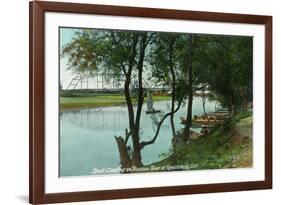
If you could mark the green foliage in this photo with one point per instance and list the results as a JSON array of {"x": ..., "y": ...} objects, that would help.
[
  {"x": 83, "y": 52},
  {"x": 105, "y": 51},
  {"x": 223, "y": 63},
  {"x": 230, "y": 123},
  {"x": 214, "y": 151},
  {"x": 228, "y": 68},
  {"x": 170, "y": 56}
]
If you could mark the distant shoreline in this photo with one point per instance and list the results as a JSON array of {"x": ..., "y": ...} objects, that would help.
[{"x": 77, "y": 103}]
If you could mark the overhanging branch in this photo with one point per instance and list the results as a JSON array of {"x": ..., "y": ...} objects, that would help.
[
  {"x": 199, "y": 88},
  {"x": 144, "y": 143}
]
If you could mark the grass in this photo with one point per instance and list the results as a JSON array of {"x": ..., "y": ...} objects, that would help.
[
  {"x": 226, "y": 146},
  {"x": 77, "y": 102}
]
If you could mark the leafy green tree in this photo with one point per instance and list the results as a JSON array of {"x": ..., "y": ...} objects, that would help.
[
  {"x": 82, "y": 53},
  {"x": 176, "y": 62},
  {"x": 122, "y": 53},
  {"x": 165, "y": 66},
  {"x": 228, "y": 69}
]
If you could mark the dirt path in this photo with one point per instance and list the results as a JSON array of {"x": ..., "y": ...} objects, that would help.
[{"x": 243, "y": 137}]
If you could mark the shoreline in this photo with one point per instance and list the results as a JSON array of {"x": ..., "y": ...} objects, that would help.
[
  {"x": 235, "y": 145},
  {"x": 108, "y": 102},
  {"x": 74, "y": 108}
]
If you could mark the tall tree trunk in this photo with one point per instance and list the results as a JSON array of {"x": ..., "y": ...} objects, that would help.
[
  {"x": 136, "y": 160},
  {"x": 188, "y": 122},
  {"x": 173, "y": 87},
  {"x": 125, "y": 160},
  {"x": 136, "y": 156},
  {"x": 204, "y": 107},
  {"x": 140, "y": 89},
  {"x": 244, "y": 99},
  {"x": 204, "y": 103}
]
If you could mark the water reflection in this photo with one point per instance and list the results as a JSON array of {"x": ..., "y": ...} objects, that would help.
[{"x": 87, "y": 136}]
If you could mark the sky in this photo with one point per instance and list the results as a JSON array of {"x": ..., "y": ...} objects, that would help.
[{"x": 66, "y": 34}]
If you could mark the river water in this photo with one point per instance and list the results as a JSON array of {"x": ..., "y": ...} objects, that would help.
[{"x": 87, "y": 142}]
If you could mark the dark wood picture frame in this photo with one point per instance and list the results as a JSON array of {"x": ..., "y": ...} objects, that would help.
[{"x": 37, "y": 193}]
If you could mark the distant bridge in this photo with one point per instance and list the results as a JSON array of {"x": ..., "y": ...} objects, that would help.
[{"x": 109, "y": 83}]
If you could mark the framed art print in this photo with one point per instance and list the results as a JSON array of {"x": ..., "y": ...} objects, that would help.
[{"x": 138, "y": 102}]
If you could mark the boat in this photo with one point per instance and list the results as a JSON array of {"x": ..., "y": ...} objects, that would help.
[
  {"x": 152, "y": 111},
  {"x": 150, "y": 108},
  {"x": 209, "y": 120}
]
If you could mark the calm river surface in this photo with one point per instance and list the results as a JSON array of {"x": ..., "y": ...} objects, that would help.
[{"x": 87, "y": 136}]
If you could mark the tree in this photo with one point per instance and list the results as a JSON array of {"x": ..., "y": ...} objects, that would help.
[
  {"x": 126, "y": 50},
  {"x": 122, "y": 53},
  {"x": 84, "y": 55},
  {"x": 176, "y": 61},
  {"x": 228, "y": 69},
  {"x": 164, "y": 58}
]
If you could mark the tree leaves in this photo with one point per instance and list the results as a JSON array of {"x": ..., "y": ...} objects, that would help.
[{"x": 223, "y": 62}]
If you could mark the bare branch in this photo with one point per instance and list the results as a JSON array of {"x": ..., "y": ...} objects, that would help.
[
  {"x": 199, "y": 88},
  {"x": 144, "y": 143},
  {"x": 149, "y": 39}
]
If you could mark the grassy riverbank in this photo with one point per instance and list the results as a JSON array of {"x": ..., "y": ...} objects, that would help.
[
  {"x": 102, "y": 100},
  {"x": 227, "y": 146}
]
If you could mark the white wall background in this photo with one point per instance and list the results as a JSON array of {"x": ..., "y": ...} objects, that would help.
[{"x": 14, "y": 100}]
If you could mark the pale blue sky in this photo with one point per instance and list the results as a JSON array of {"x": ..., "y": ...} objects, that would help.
[{"x": 66, "y": 34}]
